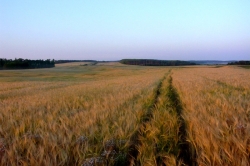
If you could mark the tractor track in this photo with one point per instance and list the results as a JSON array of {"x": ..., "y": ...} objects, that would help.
[
  {"x": 133, "y": 151},
  {"x": 187, "y": 154}
]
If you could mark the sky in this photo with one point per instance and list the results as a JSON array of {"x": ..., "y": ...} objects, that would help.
[{"x": 114, "y": 30}]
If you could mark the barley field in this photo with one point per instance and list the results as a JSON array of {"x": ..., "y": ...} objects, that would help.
[
  {"x": 113, "y": 114},
  {"x": 216, "y": 110}
]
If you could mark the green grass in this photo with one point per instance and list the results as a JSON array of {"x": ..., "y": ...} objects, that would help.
[
  {"x": 246, "y": 67},
  {"x": 71, "y": 73}
]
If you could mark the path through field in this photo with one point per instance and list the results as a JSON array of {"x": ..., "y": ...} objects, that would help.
[{"x": 151, "y": 146}]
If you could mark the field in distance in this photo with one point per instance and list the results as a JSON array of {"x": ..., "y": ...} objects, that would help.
[{"x": 113, "y": 114}]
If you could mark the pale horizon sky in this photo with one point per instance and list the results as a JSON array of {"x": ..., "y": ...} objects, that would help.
[{"x": 114, "y": 30}]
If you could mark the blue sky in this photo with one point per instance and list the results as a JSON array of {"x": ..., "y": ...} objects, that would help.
[{"x": 112, "y": 30}]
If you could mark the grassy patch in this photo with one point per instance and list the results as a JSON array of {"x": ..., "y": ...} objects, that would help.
[{"x": 246, "y": 67}]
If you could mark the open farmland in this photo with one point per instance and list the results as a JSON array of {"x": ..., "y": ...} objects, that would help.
[
  {"x": 113, "y": 114},
  {"x": 216, "y": 110}
]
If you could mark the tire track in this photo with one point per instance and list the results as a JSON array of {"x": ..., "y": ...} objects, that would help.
[
  {"x": 187, "y": 154},
  {"x": 135, "y": 142}
]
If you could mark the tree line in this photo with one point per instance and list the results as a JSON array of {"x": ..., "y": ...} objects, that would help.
[
  {"x": 26, "y": 63},
  {"x": 153, "y": 62},
  {"x": 239, "y": 63},
  {"x": 68, "y": 61}
]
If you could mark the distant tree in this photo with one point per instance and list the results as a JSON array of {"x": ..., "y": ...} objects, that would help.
[
  {"x": 25, "y": 64},
  {"x": 152, "y": 62},
  {"x": 67, "y": 61},
  {"x": 239, "y": 63}
]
